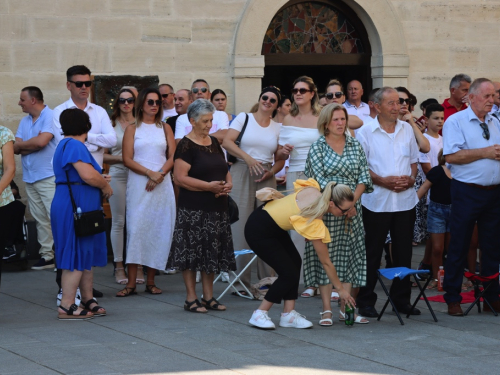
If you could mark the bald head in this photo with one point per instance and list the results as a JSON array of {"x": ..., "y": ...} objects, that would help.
[
  {"x": 496, "y": 85},
  {"x": 354, "y": 92}
]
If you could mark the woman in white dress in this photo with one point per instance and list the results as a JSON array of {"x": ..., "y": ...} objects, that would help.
[{"x": 148, "y": 150}]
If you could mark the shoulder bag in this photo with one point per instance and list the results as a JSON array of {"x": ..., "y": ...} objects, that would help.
[{"x": 231, "y": 158}]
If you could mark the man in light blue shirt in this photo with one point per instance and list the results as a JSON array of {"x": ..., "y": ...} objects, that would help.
[
  {"x": 472, "y": 146},
  {"x": 36, "y": 141}
]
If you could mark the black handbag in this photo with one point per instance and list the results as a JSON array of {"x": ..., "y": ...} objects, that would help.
[
  {"x": 86, "y": 223},
  {"x": 234, "y": 212},
  {"x": 231, "y": 158}
]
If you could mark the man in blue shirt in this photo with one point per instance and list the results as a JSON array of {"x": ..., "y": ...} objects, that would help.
[
  {"x": 36, "y": 142},
  {"x": 472, "y": 147}
]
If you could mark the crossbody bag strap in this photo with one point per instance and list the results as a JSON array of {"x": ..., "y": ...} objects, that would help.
[
  {"x": 69, "y": 184},
  {"x": 238, "y": 140}
]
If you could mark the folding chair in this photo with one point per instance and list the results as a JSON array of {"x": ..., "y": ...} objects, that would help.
[
  {"x": 237, "y": 276},
  {"x": 478, "y": 294},
  {"x": 402, "y": 272}
]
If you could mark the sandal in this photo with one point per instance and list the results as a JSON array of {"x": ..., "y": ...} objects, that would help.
[
  {"x": 120, "y": 277},
  {"x": 433, "y": 284},
  {"x": 95, "y": 309},
  {"x": 153, "y": 289},
  {"x": 125, "y": 292},
  {"x": 310, "y": 292},
  {"x": 69, "y": 314},
  {"x": 326, "y": 322},
  {"x": 215, "y": 306},
  {"x": 139, "y": 279},
  {"x": 194, "y": 307},
  {"x": 243, "y": 292},
  {"x": 358, "y": 318}
]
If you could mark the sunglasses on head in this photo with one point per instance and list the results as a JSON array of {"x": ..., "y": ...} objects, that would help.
[
  {"x": 266, "y": 98},
  {"x": 196, "y": 89},
  {"x": 152, "y": 102},
  {"x": 403, "y": 101},
  {"x": 79, "y": 84},
  {"x": 302, "y": 91},
  {"x": 337, "y": 94},
  {"x": 126, "y": 100},
  {"x": 166, "y": 95},
  {"x": 486, "y": 131},
  {"x": 341, "y": 210}
]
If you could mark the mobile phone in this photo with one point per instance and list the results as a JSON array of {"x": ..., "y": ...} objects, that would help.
[{"x": 421, "y": 119}]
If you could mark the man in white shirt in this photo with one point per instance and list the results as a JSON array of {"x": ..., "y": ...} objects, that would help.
[
  {"x": 102, "y": 134},
  {"x": 353, "y": 104},
  {"x": 36, "y": 142},
  {"x": 220, "y": 123},
  {"x": 167, "y": 101},
  {"x": 392, "y": 154}
]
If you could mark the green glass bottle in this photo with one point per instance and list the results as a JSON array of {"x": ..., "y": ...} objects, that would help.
[{"x": 349, "y": 315}]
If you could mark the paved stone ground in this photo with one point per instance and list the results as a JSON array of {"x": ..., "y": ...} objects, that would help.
[{"x": 147, "y": 334}]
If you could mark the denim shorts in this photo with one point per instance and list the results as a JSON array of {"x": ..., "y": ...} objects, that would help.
[{"x": 438, "y": 217}]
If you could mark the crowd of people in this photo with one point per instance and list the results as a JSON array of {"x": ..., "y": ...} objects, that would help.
[{"x": 361, "y": 178}]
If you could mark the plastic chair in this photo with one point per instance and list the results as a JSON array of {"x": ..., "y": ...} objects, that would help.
[
  {"x": 237, "y": 276},
  {"x": 402, "y": 272},
  {"x": 478, "y": 294}
]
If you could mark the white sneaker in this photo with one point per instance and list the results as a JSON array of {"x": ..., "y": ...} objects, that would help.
[
  {"x": 170, "y": 271},
  {"x": 224, "y": 277},
  {"x": 78, "y": 297},
  {"x": 295, "y": 320},
  {"x": 198, "y": 276},
  {"x": 262, "y": 320}
]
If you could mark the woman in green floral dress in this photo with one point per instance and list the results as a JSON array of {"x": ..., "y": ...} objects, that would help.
[{"x": 336, "y": 156}]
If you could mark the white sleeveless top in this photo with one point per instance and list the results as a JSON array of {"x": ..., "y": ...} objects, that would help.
[{"x": 301, "y": 139}]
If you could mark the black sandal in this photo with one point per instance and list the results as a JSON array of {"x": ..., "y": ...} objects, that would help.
[
  {"x": 194, "y": 306},
  {"x": 215, "y": 306},
  {"x": 126, "y": 292},
  {"x": 149, "y": 289},
  {"x": 84, "y": 314},
  {"x": 95, "y": 309}
]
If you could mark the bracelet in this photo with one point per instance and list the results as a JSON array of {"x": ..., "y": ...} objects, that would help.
[
  {"x": 412, "y": 177},
  {"x": 147, "y": 170}
]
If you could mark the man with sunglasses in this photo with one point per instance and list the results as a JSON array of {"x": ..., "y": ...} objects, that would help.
[
  {"x": 102, "y": 134},
  {"x": 472, "y": 146},
  {"x": 167, "y": 101},
  {"x": 353, "y": 104},
  {"x": 220, "y": 122}
]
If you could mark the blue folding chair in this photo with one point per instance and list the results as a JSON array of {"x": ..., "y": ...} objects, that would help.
[
  {"x": 401, "y": 273},
  {"x": 237, "y": 276}
]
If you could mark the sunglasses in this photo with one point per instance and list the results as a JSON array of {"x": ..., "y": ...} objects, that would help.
[
  {"x": 266, "y": 98},
  {"x": 341, "y": 210},
  {"x": 196, "y": 89},
  {"x": 152, "y": 102},
  {"x": 486, "y": 131},
  {"x": 79, "y": 84},
  {"x": 403, "y": 101},
  {"x": 166, "y": 95},
  {"x": 302, "y": 91},
  {"x": 126, "y": 100},
  {"x": 337, "y": 94}
]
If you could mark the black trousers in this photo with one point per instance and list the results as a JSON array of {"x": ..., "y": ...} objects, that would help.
[
  {"x": 6, "y": 213},
  {"x": 275, "y": 247},
  {"x": 377, "y": 224}
]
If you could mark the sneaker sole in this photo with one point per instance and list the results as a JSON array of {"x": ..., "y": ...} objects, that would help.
[
  {"x": 259, "y": 327},
  {"x": 42, "y": 268},
  {"x": 292, "y": 326}
]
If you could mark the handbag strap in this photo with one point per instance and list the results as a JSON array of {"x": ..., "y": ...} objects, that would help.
[
  {"x": 238, "y": 140},
  {"x": 73, "y": 203}
]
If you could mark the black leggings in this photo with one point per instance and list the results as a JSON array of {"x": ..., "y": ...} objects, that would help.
[{"x": 275, "y": 247}]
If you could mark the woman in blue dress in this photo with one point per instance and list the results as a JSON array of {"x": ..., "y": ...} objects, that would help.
[{"x": 77, "y": 255}]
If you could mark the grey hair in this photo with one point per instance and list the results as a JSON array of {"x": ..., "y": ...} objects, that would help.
[
  {"x": 458, "y": 79},
  {"x": 474, "y": 87},
  {"x": 199, "y": 108},
  {"x": 379, "y": 95}
]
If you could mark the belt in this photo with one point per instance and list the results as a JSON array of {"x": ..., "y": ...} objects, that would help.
[{"x": 489, "y": 187}]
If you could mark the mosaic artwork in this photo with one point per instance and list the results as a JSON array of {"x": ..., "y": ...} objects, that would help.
[{"x": 311, "y": 28}]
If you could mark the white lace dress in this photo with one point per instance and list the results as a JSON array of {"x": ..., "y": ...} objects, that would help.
[{"x": 150, "y": 215}]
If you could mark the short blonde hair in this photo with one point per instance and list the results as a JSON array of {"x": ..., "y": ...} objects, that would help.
[
  {"x": 326, "y": 115},
  {"x": 335, "y": 82}
]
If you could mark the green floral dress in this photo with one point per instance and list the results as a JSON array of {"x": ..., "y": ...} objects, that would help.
[
  {"x": 347, "y": 249},
  {"x": 5, "y": 136}
]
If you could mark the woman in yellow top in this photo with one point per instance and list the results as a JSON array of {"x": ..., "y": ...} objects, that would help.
[{"x": 266, "y": 233}]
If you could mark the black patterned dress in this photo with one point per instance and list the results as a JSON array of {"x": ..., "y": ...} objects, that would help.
[
  {"x": 347, "y": 249},
  {"x": 202, "y": 237}
]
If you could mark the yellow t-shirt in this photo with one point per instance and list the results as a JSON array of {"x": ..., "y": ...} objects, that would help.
[{"x": 285, "y": 212}]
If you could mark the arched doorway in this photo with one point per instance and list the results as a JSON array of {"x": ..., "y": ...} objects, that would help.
[{"x": 322, "y": 39}]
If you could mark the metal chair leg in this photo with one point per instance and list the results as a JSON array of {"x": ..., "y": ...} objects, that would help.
[
  {"x": 422, "y": 294},
  {"x": 389, "y": 300}
]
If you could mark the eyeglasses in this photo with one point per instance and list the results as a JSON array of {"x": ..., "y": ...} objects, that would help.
[
  {"x": 341, "y": 210},
  {"x": 152, "y": 102},
  {"x": 266, "y": 98},
  {"x": 302, "y": 91},
  {"x": 126, "y": 100},
  {"x": 196, "y": 89},
  {"x": 166, "y": 95},
  {"x": 79, "y": 84},
  {"x": 403, "y": 101},
  {"x": 337, "y": 94},
  {"x": 486, "y": 131}
]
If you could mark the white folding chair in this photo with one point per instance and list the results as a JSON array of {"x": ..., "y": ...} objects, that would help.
[{"x": 237, "y": 276}]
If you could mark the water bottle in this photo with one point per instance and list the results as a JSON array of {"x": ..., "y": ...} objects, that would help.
[
  {"x": 79, "y": 212},
  {"x": 440, "y": 279},
  {"x": 349, "y": 315}
]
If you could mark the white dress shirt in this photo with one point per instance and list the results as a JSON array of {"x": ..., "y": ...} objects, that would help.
[
  {"x": 101, "y": 135},
  {"x": 183, "y": 126},
  {"x": 389, "y": 155}
]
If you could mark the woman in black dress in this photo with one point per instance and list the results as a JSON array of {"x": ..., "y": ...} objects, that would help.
[{"x": 202, "y": 236}]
